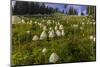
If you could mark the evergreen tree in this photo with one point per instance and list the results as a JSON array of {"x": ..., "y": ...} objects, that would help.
[
  {"x": 82, "y": 13},
  {"x": 21, "y": 8},
  {"x": 63, "y": 11},
  {"x": 65, "y": 6},
  {"x": 91, "y": 10},
  {"x": 72, "y": 11},
  {"x": 30, "y": 8}
]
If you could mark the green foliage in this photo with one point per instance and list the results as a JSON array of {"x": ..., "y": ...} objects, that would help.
[
  {"x": 73, "y": 47},
  {"x": 72, "y": 11},
  {"x": 31, "y": 8}
]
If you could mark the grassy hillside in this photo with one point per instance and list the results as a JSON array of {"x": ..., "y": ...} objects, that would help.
[{"x": 77, "y": 44}]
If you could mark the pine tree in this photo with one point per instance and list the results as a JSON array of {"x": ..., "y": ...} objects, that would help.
[{"x": 21, "y": 8}]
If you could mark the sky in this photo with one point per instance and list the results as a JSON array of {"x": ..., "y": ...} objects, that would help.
[
  {"x": 79, "y": 8},
  {"x": 61, "y": 7}
]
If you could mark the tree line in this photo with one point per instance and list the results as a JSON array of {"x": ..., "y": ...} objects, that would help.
[
  {"x": 26, "y": 8},
  {"x": 31, "y": 8}
]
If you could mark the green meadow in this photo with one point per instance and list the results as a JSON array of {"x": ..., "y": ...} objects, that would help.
[{"x": 78, "y": 44}]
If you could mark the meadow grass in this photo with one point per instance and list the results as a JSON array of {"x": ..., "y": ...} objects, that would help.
[{"x": 75, "y": 46}]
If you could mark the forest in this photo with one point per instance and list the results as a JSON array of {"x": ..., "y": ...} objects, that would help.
[{"x": 34, "y": 8}]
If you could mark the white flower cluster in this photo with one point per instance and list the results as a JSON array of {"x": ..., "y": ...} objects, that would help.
[
  {"x": 53, "y": 57},
  {"x": 48, "y": 30},
  {"x": 92, "y": 38}
]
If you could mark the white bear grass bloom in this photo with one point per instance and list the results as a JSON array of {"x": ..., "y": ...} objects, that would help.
[
  {"x": 30, "y": 21},
  {"x": 61, "y": 27},
  {"x": 35, "y": 22},
  {"x": 91, "y": 22},
  {"x": 94, "y": 39},
  {"x": 62, "y": 33},
  {"x": 56, "y": 27},
  {"x": 15, "y": 19},
  {"x": 43, "y": 35},
  {"x": 51, "y": 34},
  {"x": 28, "y": 32},
  {"x": 50, "y": 28},
  {"x": 91, "y": 37},
  {"x": 58, "y": 33},
  {"x": 81, "y": 28},
  {"x": 40, "y": 24},
  {"x": 83, "y": 23},
  {"x": 44, "y": 51},
  {"x": 58, "y": 23},
  {"x": 94, "y": 23},
  {"x": 35, "y": 38},
  {"x": 48, "y": 22},
  {"x": 53, "y": 58},
  {"x": 23, "y": 21},
  {"x": 44, "y": 28},
  {"x": 75, "y": 25}
]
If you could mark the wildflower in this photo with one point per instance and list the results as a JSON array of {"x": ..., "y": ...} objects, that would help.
[
  {"x": 91, "y": 22},
  {"x": 53, "y": 58},
  {"x": 35, "y": 38},
  {"x": 75, "y": 25},
  {"x": 81, "y": 28},
  {"x": 82, "y": 23},
  {"x": 51, "y": 34},
  {"x": 23, "y": 21},
  {"x": 44, "y": 51},
  {"x": 62, "y": 32},
  {"x": 91, "y": 37},
  {"x": 94, "y": 23},
  {"x": 35, "y": 22},
  {"x": 30, "y": 21},
  {"x": 61, "y": 27},
  {"x": 28, "y": 32},
  {"x": 43, "y": 35},
  {"x": 58, "y": 33},
  {"x": 56, "y": 27},
  {"x": 58, "y": 23},
  {"x": 40, "y": 24},
  {"x": 44, "y": 28},
  {"x": 48, "y": 22},
  {"x": 94, "y": 39},
  {"x": 50, "y": 28},
  {"x": 15, "y": 19}
]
